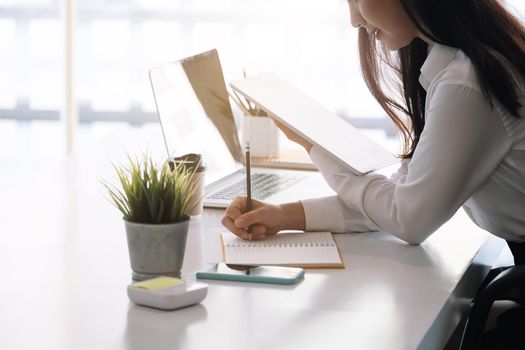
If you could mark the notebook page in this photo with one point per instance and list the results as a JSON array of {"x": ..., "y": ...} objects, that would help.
[{"x": 287, "y": 248}]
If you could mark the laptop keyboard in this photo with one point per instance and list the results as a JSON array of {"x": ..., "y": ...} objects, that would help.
[{"x": 263, "y": 186}]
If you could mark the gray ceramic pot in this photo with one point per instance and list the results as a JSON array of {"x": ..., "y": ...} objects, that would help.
[{"x": 156, "y": 250}]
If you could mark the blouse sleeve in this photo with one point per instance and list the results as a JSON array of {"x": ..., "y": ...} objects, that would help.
[
  {"x": 332, "y": 214},
  {"x": 462, "y": 143}
]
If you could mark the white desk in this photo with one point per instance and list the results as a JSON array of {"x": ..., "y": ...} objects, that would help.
[{"x": 65, "y": 269}]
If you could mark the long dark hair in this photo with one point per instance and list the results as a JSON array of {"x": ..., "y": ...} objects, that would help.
[{"x": 484, "y": 30}]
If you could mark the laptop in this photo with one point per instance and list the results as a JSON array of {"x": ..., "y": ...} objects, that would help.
[{"x": 196, "y": 117}]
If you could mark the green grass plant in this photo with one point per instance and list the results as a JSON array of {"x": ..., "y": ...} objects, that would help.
[{"x": 152, "y": 194}]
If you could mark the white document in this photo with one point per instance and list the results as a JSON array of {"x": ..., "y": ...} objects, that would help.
[
  {"x": 308, "y": 249},
  {"x": 315, "y": 123}
]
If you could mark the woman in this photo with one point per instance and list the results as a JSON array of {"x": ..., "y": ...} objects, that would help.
[{"x": 460, "y": 66}]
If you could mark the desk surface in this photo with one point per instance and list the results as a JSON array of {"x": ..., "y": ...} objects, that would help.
[{"x": 65, "y": 271}]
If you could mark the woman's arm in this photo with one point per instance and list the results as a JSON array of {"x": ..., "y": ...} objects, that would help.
[
  {"x": 319, "y": 214},
  {"x": 463, "y": 142},
  {"x": 332, "y": 214}
]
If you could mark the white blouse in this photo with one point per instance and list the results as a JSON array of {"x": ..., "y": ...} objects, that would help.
[{"x": 470, "y": 154}]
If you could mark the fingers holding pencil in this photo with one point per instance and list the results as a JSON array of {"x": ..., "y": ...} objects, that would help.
[{"x": 264, "y": 218}]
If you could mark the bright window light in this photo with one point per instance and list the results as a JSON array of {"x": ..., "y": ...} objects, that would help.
[
  {"x": 110, "y": 91},
  {"x": 45, "y": 140},
  {"x": 8, "y": 88},
  {"x": 209, "y": 35},
  {"x": 7, "y": 36},
  {"x": 157, "y": 4},
  {"x": 46, "y": 90},
  {"x": 8, "y": 138},
  {"x": 110, "y": 39},
  {"x": 517, "y": 7},
  {"x": 44, "y": 38},
  {"x": 318, "y": 44},
  {"x": 142, "y": 93},
  {"x": 212, "y": 4},
  {"x": 26, "y": 3},
  {"x": 264, "y": 43},
  {"x": 161, "y": 41},
  {"x": 309, "y": 8}
]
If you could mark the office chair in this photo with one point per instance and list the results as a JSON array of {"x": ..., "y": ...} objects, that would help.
[{"x": 510, "y": 332}]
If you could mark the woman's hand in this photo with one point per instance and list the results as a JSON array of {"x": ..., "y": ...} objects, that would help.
[
  {"x": 265, "y": 219},
  {"x": 292, "y": 136}
]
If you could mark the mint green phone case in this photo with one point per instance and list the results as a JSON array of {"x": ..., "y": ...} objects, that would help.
[{"x": 258, "y": 274}]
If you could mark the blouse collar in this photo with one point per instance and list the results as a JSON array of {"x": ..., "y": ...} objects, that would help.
[{"x": 438, "y": 58}]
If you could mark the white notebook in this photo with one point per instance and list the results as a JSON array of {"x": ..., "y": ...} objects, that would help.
[
  {"x": 314, "y": 122},
  {"x": 308, "y": 250}
]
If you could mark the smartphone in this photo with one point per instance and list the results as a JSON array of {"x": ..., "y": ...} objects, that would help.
[{"x": 259, "y": 274}]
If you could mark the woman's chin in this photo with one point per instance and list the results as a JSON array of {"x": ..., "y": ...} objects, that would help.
[{"x": 390, "y": 46}]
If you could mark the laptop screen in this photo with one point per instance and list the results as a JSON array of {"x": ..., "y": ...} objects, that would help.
[{"x": 195, "y": 113}]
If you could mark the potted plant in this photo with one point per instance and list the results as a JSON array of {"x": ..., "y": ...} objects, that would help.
[{"x": 154, "y": 201}]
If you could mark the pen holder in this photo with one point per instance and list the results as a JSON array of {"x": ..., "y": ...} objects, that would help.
[
  {"x": 194, "y": 163},
  {"x": 262, "y": 134}
]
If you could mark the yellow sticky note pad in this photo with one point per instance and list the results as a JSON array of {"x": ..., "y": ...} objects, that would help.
[{"x": 158, "y": 283}]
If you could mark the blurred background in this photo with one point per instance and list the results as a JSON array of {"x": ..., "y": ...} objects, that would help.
[{"x": 115, "y": 42}]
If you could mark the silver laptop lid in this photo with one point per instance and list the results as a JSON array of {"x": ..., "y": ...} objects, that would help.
[{"x": 195, "y": 112}]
